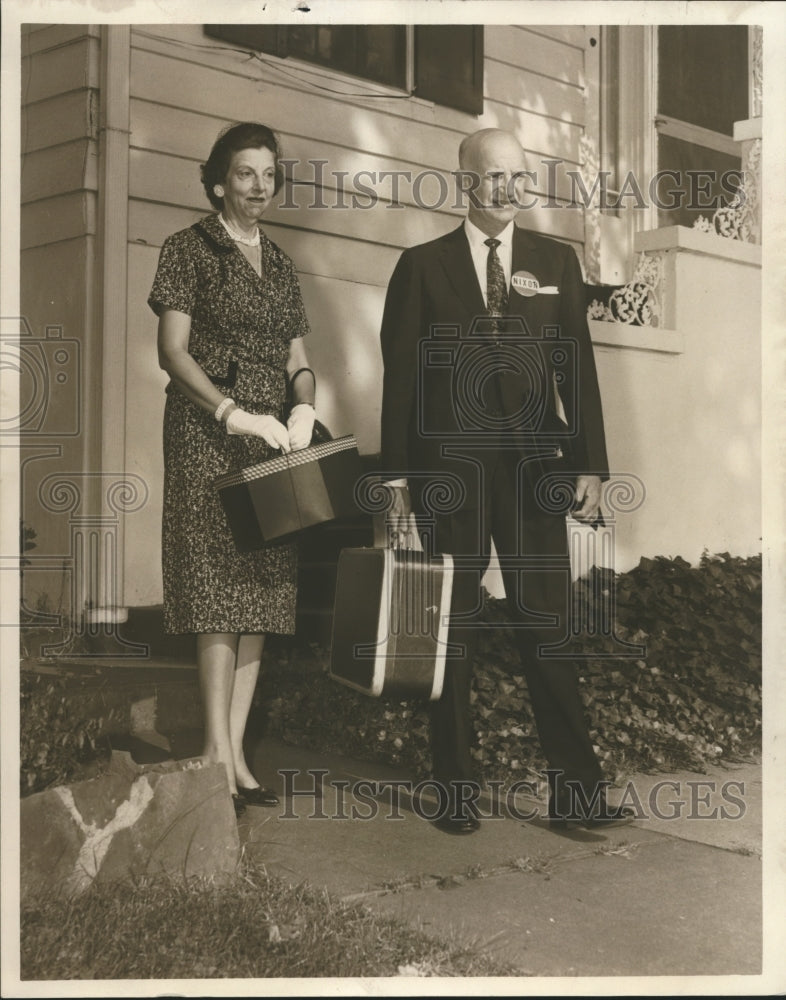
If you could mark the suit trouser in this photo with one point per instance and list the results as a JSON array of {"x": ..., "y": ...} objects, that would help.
[{"x": 532, "y": 546}]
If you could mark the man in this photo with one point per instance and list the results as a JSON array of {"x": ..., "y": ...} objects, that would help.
[{"x": 482, "y": 328}]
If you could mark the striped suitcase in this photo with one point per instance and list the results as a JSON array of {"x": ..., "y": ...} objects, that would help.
[{"x": 390, "y": 622}]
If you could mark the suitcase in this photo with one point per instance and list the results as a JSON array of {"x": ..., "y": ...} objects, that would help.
[
  {"x": 390, "y": 622},
  {"x": 269, "y": 501}
]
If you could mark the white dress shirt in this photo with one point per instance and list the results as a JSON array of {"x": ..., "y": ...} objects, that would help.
[{"x": 480, "y": 253}]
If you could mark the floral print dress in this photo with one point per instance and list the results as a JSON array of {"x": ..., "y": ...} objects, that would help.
[{"x": 241, "y": 327}]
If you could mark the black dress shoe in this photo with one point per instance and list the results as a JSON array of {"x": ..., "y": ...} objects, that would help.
[
  {"x": 239, "y": 804},
  {"x": 605, "y": 817},
  {"x": 610, "y": 816},
  {"x": 468, "y": 823},
  {"x": 258, "y": 796}
]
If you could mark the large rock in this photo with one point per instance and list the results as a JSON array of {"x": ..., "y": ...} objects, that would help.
[{"x": 175, "y": 817}]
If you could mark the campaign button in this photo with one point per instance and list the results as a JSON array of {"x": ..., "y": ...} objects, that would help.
[{"x": 525, "y": 283}]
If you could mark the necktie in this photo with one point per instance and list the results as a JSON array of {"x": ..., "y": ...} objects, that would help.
[{"x": 496, "y": 286}]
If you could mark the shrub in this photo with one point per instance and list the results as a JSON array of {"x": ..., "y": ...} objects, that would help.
[
  {"x": 54, "y": 741},
  {"x": 692, "y": 697}
]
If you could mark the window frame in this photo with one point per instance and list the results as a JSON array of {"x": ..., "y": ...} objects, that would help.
[
  {"x": 274, "y": 42},
  {"x": 640, "y": 127}
]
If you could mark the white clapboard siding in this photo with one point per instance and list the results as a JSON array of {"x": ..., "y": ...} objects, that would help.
[
  {"x": 144, "y": 454},
  {"x": 525, "y": 88},
  {"x": 48, "y": 172},
  {"x": 53, "y": 220},
  {"x": 57, "y": 120},
  {"x": 220, "y": 79},
  {"x": 58, "y": 169},
  {"x": 570, "y": 34},
  {"x": 344, "y": 349},
  {"x": 170, "y": 180},
  {"x": 72, "y": 66},
  {"x": 312, "y": 252},
  {"x": 40, "y": 37},
  {"x": 318, "y": 116},
  {"x": 166, "y": 129},
  {"x": 530, "y": 49}
]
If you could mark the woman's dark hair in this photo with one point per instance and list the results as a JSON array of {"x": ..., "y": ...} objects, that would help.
[{"x": 244, "y": 135}]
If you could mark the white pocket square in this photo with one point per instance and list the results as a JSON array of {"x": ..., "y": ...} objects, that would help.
[{"x": 548, "y": 290}]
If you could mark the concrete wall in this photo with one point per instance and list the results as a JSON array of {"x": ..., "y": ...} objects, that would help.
[{"x": 688, "y": 424}]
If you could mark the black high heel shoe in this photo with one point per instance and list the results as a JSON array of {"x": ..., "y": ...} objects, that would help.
[
  {"x": 239, "y": 804},
  {"x": 258, "y": 796}
]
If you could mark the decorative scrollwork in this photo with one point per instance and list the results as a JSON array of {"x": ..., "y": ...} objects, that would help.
[
  {"x": 127, "y": 495},
  {"x": 624, "y": 493},
  {"x": 372, "y": 494},
  {"x": 59, "y": 494},
  {"x": 555, "y": 493},
  {"x": 589, "y": 157},
  {"x": 444, "y": 494},
  {"x": 739, "y": 220},
  {"x": 597, "y": 310},
  {"x": 637, "y": 302},
  {"x": 757, "y": 71}
]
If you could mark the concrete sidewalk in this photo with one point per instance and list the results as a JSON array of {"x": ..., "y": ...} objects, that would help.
[
  {"x": 677, "y": 892},
  {"x": 661, "y": 896}
]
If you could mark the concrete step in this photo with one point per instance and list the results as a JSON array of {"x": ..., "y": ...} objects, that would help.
[{"x": 155, "y": 696}]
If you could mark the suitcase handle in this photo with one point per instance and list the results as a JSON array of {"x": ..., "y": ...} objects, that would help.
[{"x": 385, "y": 539}]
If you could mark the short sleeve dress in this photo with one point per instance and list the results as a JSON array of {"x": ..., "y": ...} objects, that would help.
[{"x": 241, "y": 328}]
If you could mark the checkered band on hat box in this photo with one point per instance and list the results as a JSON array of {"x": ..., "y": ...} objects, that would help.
[{"x": 273, "y": 499}]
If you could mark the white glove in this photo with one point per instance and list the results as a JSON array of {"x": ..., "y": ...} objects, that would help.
[
  {"x": 259, "y": 425},
  {"x": 301, "y": 425}
]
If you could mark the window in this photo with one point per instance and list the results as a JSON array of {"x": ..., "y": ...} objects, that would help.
[
  {"x": 703, "y": 75},
  {"x": 449, "y": 65},
  {"x": 702, "y": 92},
  {"x": 445, "y": 61}
]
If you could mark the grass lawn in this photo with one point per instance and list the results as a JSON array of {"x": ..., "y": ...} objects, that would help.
[{"x": 253, "y": 926}]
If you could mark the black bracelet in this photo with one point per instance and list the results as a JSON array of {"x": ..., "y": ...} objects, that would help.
[
  {"x": 292, "y": 386},
  {"x": 293, "y": 377}
]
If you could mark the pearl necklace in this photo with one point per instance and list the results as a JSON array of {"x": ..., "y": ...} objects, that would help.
[{"x": 249, "y": 241}]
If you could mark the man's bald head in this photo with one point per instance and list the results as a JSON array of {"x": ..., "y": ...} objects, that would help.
[
  {"x": 486, "y": 143},
  {"x": 497, "y": 162}
]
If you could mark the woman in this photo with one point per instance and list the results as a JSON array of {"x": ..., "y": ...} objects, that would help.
[{"x": 231, "y": 323}]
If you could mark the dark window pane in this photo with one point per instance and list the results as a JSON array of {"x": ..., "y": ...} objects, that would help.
[
  {"x": 698, "y": 194},
  {"x": 375, "y": 53},
  {"x": 449, "y": 65},
  {"x": 336, "y": 47},
  {"x": 703, "y": 74},
  {"x": 263, "y": 38},
  {"x": 382, "y": 51},
  {"x": 302, "y": 42}
]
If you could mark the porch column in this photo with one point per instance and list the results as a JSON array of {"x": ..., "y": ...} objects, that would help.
[{"x": 106, "y": 606}]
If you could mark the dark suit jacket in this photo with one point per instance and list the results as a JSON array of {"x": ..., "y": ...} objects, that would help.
[{"x": 439, "y": 368}]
